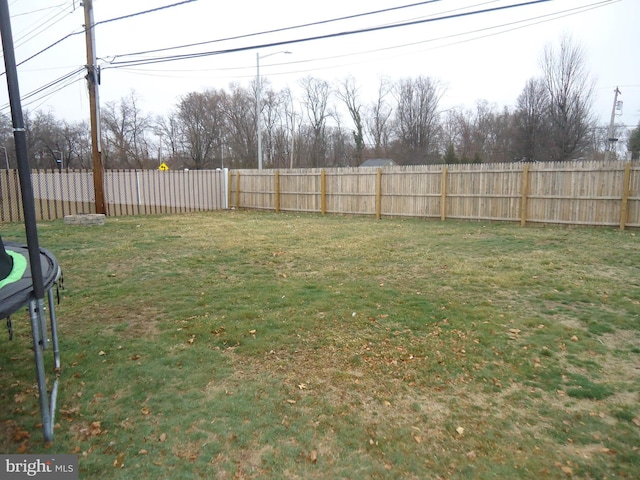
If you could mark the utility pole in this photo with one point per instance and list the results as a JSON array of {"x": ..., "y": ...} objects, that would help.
[
  {"x": 610, "y": 137},
  {"x": 94, "y": 106}
]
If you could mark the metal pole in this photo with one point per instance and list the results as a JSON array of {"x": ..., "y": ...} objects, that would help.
[
  {"x": 36, "y": 304},
  {"x": 258, "y": 113},
  {"x": 20, "y": 138}
]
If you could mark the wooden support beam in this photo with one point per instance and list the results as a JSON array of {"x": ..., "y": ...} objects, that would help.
[
  {"x": 379, "y": 194},
  {"x": 624, "y": 207},
  {"x": 443, "y": 195},
  {"x": 523, "y": 196}
]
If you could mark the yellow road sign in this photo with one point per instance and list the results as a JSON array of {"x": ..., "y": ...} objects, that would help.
[{"x": 163, "y": 166}]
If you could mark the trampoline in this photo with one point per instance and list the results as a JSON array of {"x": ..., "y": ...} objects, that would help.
[
  {"x": 28, "y": 273},
  {"x": 16, "y": 293}
]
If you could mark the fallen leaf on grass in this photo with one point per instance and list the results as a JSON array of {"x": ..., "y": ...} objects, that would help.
[
  {"x": 291, "y": 401},
  {"x": 119, "y": 461},
  {"x": 95, "y": 429},
  {"x": 313, "y": 457},
  {"x": 636, "y": 421},
  {"x": 460, "y": 430},
  {"x": 102, "y": 353},
  {"x": 191, "y": 339},
  {"x": 567, "y": 470},
  {"x": 162, "y": 437},
  {"x": 20, "y": 435},
  {"x": 145, "y": 411}
]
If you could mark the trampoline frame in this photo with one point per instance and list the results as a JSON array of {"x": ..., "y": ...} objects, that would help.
[
  {"x": 38, "y": 289},
  {"x": 41, "y": 341}
]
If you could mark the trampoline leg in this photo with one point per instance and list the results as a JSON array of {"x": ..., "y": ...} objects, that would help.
[
  {"x": 36, "y": 309},
  {"x": 42, "y": 324},
  {"x": 54, "y": 330}
]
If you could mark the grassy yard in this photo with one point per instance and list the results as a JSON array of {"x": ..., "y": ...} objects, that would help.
[{"x": 260, "y": 345}]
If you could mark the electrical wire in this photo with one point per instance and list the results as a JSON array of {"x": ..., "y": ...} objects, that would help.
[
  {"x": 95, "y": 24},
  {"x": 53, "y": 83},
  {"x": 153, "y": 10},
  {"x": 44, "y": 25},
  {"x": 116, "y": 64},
  {"x": 527, "y": 23},
  {"x": 277, "y": 30}
]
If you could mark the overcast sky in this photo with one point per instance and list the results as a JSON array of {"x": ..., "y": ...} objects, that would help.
[{"x": 479, "y": 56}]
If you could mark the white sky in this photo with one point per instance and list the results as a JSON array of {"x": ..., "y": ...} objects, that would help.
[{"x": 486, "y": 56}]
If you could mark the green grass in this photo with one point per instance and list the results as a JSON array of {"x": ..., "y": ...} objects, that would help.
[{"x": 258, "y": 345}]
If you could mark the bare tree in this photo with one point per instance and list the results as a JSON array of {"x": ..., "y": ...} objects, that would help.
[
  {"x": 417, "y": 120},
  {"x": 570, "y": 97},
  {"x": 531, "y": 120},
  {"x": 170, "y": 144},
  {"x": 240, "y": 112},
  {"x": 379, "y": 119},
  {"x": 201, "y": 121},
  {"x": 75, "y": 145},
  {"x": 347, "y": 91},
  {"x": 125, "y": 131},
  {"x": 315, "y": 99},
  {"x": 276, "y": 127},
  {"x": 45, "y": 140}
]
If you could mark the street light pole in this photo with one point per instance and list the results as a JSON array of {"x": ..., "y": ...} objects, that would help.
[
  {"x": 259, "y": 103},
  {"x": 258, "y": 108}
]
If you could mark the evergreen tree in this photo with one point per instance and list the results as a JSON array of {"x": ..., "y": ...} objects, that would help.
[
  {"x": 634, "y": 143},
  {"x": 450, "y": 155}
]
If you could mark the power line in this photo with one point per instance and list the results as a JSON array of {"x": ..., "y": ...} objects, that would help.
[
  {"x": 115, "y": 64},
  {"x": 277, "y": 30},
  {"x": 131, "y": 15},
  {"x": 98, "y": 23},
  {"x": 43, "y": 88},
  {"x": 529, "y": 22}
]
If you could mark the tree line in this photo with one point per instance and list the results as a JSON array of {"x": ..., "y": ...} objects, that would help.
[{"x": 331, "y": 125}]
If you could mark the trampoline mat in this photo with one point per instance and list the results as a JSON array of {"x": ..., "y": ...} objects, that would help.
[{"x": 17, "y": 290}]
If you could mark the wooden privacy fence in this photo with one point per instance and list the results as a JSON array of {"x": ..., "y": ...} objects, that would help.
[
  {"x": 127, "y": 192},
  {"x": 572, "y": 193}
]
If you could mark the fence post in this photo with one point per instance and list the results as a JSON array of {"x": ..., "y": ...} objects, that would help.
[
  {"x": 229, "y": 184},
  {"x": 276, "y": 199},
  {"x": 323, "y": 192},
  {"x": 238, "y": 189},
  {"x": 443, "y": 195},
  {"x": 525, "y": 194},
  {"x": 625, "y": 196},
  {"x": 378, "y": 194}
]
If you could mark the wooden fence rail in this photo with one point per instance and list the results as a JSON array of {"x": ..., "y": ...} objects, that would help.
[
  {"x": 128, "y": 192},
  {"x": 572, "y": 193}
]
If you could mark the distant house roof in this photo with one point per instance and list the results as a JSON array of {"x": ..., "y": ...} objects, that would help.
[{"x": 379, "y": 162}]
